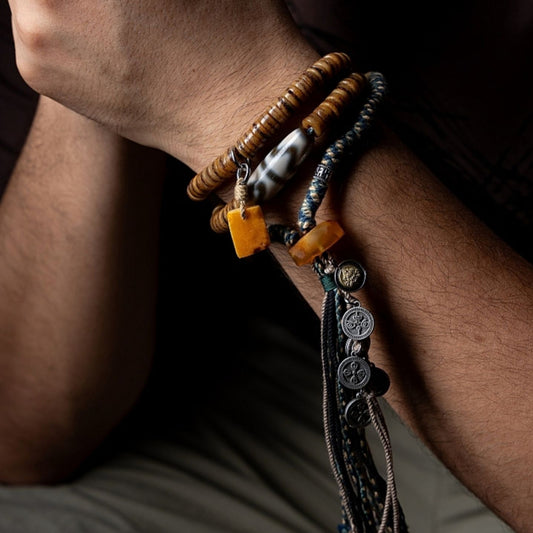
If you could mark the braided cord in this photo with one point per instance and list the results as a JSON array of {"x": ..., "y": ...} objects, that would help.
[
  {"x": 369, "y": 502},
  {"x": 337, "y": 151},
  {"x": 333, "y": 156}
]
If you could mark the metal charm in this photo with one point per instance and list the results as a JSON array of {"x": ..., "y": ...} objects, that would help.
[
  {"x": 357, "y": 323},
  {"x": 357, "y": 414},
  {"x": 354, "y": 372},
  {"x": 379, "y": 381},
  {"x": 350, "y": 276}
]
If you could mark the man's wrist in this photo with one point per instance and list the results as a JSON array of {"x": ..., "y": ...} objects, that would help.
[{"x": 225, "y": 108}]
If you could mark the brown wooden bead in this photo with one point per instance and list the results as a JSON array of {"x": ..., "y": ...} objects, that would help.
[
  {"x": 267, "y": 123},
  {"x": 279, "y": 113},
  {"x": 219, "y": 216},
  {"x": 335, "y": 103},
  {"x": 329, "y": 66},
  {"x": 202, "y": 184},
  {"x": 297, "y": 94}
]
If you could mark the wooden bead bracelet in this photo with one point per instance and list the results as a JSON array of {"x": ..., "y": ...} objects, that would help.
[
  {"x": 243, "y": 214},
  {"x": 311, "y": 81}
]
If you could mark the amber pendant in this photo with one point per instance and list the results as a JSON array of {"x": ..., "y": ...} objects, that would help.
[
  {"x": 248, "y": 230},
  {"x": 315, "y": 242}
]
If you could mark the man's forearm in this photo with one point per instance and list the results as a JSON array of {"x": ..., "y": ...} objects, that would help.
[
  {"x": 453, "y": 307},
  {"x": 78, "y": 241}
]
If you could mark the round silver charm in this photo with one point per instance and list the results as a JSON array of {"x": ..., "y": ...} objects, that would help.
[
  {"x": 350, "y": 276},
  {"x": 357, "y": 414},
  {"x": 354, "y": 372},
  {"x": 357, "y": 323}
]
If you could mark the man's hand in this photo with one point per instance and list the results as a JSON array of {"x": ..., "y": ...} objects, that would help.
[{"x": 159, "y": 71}]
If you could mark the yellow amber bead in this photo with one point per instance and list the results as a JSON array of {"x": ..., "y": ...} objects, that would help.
[
  {"x": 249, "y": 234},
  {"x": 315, "y": 242}
]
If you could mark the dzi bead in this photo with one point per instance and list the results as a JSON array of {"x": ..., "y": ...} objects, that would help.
[{"x": 279, "y": 166}]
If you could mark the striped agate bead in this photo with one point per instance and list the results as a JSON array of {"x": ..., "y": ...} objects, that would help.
[{"x": 279, "y": 166}]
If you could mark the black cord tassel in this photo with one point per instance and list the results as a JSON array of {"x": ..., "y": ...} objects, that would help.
[
  {"x": 332, "y": 423},
  {"x": 369, "y": 502}
]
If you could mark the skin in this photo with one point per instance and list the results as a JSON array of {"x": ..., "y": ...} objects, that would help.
[
  {"x": 453, "y": 303},
  {"x": 78, "y": 239}
]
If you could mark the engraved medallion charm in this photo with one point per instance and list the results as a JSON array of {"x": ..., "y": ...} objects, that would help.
[
  {"x": 357, "y": 414},
  {"x": 357, "y": 323},
  {"x": 354, "y": 373},
  {"x": 350, "y": 276}
]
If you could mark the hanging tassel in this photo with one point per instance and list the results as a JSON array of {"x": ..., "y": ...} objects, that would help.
[
  {"x": 332, "y": 422},
  {"x": 369, "y": 502}
]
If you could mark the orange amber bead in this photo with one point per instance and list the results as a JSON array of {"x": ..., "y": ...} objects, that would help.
[
  {"x": 249, "y": 234},
  {"x": 315, "y": 242}
]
